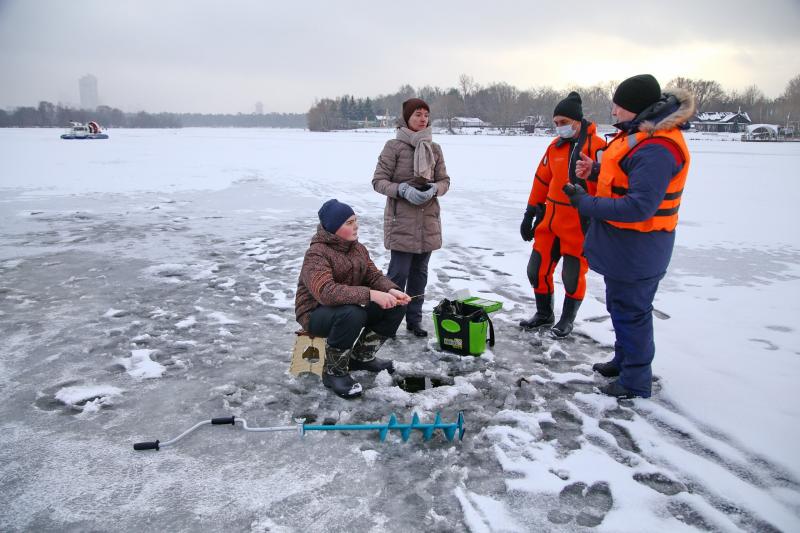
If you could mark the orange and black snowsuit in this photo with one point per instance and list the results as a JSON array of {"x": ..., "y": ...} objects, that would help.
[{"x": 560, "y": 233}]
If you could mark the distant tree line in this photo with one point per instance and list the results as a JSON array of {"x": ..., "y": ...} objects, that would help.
[
  {"x": 241, "y": 120},
  {"x": 340, "y": 113},
  {"x": 47, "y": 115},
  {"x": 503, "y": 105}
]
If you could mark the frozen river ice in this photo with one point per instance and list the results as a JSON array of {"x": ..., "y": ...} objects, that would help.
[{"x": 148, "y": 284}]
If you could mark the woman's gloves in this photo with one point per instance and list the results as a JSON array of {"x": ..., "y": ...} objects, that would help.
[{"x": 415, "y": 196}]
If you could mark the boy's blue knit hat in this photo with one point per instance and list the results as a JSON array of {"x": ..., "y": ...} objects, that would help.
[{"x": 333, "y": 214}]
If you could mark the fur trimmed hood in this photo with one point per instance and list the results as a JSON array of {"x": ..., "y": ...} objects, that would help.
[{"x": 657, "y": 116}]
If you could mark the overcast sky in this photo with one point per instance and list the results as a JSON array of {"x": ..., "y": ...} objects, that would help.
[{"x": 225, "y": 55}]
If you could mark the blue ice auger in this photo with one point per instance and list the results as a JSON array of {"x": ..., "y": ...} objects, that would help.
[{"x": 449, "y": 429}]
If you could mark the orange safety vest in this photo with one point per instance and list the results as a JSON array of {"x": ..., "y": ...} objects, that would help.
[{"x": 613, "y": 182}]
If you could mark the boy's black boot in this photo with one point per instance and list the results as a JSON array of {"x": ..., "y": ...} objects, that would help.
[
  {"x": 363, "y": 357},
  {"x": 336, "y": 374},
  {"x": 544, "y": 312}
]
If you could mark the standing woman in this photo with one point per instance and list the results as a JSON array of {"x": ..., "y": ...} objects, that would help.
[{"x": 411, "y": 173}]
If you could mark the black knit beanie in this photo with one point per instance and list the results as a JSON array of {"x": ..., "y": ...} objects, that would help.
[
  {"x": 333, "y": 214},
  {"x": 409, "y": 106},
  {"x": 637, "y": 93},
  {"x": 570, "y": 107}
]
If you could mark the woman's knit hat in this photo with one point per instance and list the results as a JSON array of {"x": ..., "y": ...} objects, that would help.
[{"x": 409, "y": 106}]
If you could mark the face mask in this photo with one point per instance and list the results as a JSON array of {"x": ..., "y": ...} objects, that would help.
[{"x": 565, "y": 132}]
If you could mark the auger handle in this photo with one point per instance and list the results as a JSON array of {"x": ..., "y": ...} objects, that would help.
[
  {"x": 146, "y": 445},
  {"x": 223, "y": 420}
]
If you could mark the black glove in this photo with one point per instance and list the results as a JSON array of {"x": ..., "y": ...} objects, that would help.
[
  {"x": 533, "y": 216},
  {"x": 575, "y": 193}
]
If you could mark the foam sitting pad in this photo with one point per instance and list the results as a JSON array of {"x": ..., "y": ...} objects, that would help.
[{"x": 308, "y": 354}]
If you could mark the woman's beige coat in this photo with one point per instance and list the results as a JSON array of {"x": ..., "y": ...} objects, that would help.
[{"x": 408, "y": 227}]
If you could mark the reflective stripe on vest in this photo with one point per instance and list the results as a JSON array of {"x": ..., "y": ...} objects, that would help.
[{"x": 613, "y": 182}]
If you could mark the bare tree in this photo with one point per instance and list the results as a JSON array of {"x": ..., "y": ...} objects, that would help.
[
  {"x": 468, "y": 86},
  {"x": 391, "y": 104},
  {"x": 501, "y": 100},
  {"x": 706, "y": 92},
  {"x": 788, "y": 104},
  {"x": 610, "y": 87},
  {"x": 596, "y": 103},
  {"x": 429, "y": 94},
  {"x": 324, "y": 115},
  {"x": 752, "y": 101},
  {"x": 792, "y": 92},
  {"x": 447, "y": 107}
]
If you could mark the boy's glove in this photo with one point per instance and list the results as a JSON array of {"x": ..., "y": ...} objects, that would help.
[{"x": 416, "y": 196}]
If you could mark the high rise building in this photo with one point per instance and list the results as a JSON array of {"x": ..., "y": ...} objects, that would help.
[
  {"x": 87, "y": 86},
  {"x": 259, "y": 108}
]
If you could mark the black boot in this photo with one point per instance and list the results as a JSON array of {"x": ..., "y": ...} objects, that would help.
[
  {"x": 617, "y": 390},
  {"x": 567, "y": 320},
  {"x": 607, "y": 370},
  {"x": 544, "y": 312},
  {"x": 362, "y": 357},
  {"x": 336, "y": 374}
]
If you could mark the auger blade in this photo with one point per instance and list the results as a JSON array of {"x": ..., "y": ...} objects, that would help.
[
  {"x": 427, "y": 433},
  {"x": 405, "y": 430}
]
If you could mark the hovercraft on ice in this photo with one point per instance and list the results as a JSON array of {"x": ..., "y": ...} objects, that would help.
[{"x": 90, "y": 130}]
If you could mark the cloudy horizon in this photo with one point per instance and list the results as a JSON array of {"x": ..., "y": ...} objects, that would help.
[{"x": 209, "y": 57}]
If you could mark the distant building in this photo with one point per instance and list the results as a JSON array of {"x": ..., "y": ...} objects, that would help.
[
  {"x": 769, "y": 132},
  {"x": 259, "y": 108},
  {"x": 468, "y": 122},
  {"x": 87, "y": 86},
  {"x": 722, "y": 122},
  {"x": 532, "y": 122},
  {"x": 385, "y": 121}
]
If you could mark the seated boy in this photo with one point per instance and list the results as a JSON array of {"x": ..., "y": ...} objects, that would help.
[{"x": 341, "y": 295}]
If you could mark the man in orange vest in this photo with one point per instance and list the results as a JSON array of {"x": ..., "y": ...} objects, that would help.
[
  {"x": 553, "y": 224},
  {"x": 634, "y": 212}
]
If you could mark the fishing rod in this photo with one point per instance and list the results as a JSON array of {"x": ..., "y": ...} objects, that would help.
[{"x": 450, "y": 430}]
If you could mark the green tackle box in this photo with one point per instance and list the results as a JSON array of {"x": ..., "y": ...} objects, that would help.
[{"x": 462, "y": 326}]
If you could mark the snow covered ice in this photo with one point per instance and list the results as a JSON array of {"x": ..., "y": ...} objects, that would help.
[{"x": 147, "y": 283}]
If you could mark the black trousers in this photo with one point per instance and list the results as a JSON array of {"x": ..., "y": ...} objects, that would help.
[
  {"x": 410, "y": 272},
  {"x": 342, "y": 324}
]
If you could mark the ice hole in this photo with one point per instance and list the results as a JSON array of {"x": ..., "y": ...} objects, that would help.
[{"x": 417, "y": 383}]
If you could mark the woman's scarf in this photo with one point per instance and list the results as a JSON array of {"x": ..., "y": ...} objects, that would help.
[{"x": 421, "y": 140}]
